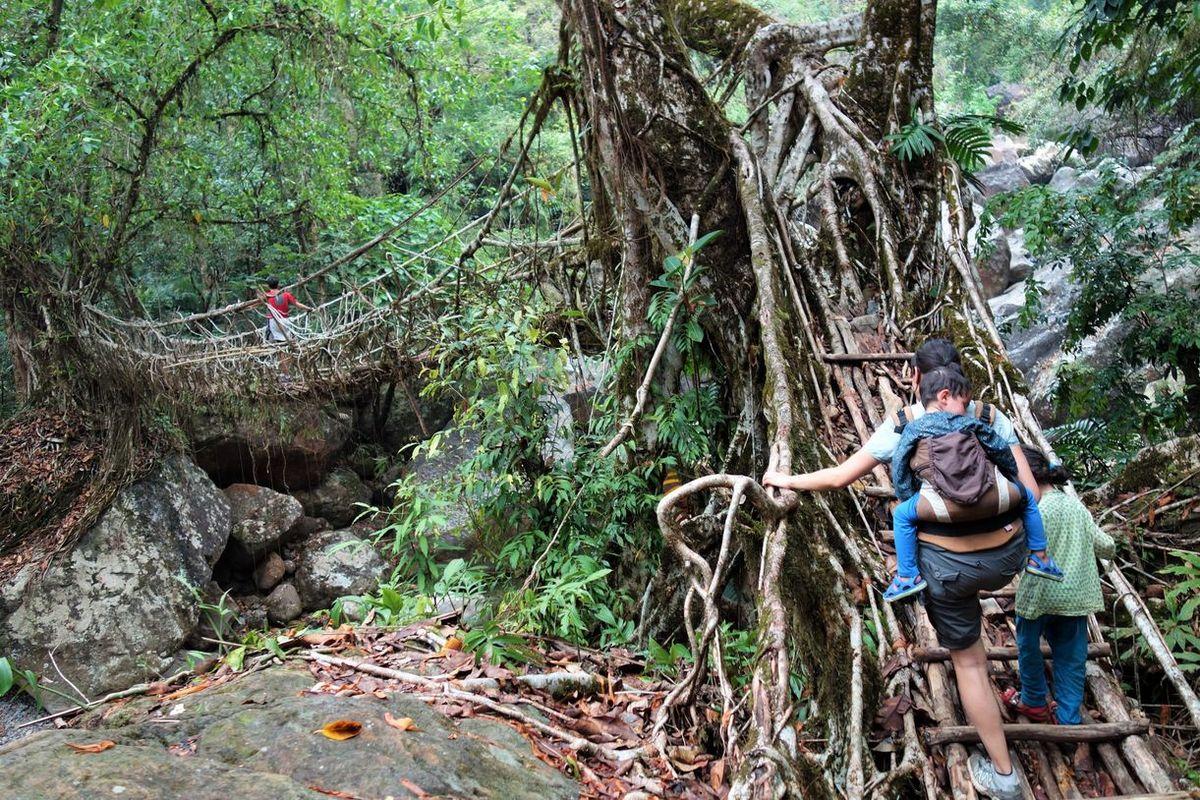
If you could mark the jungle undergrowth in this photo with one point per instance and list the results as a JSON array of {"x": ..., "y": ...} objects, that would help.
[{"x": 560, "y": 541}]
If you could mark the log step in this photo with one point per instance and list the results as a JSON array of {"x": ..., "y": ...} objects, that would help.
[
  {"x": 1029, "y": 732},
  {"x": 859, "y": 358},
  {"x": 1193, "y": 794},
  {"x": 928, "y": 654}
]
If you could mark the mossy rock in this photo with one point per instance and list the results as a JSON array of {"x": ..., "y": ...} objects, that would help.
[{"x": 255, "y": 737}]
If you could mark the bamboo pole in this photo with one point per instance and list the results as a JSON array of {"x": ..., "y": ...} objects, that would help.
[
  {"x": 860, "y": 358},
  {"x": 1111, "y": 702},
  {"x": 1129, "y": 598},
  {"x": 937, "y": 676}
]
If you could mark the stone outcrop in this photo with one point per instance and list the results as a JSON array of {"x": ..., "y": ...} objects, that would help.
[
  {"x": 115, "y": 608},
  {"x": 253, "y": 740},
  {"x": 338, "y": 499},
  {"x": 287, "y": 448},
  {"x": 456, "y": 531}
]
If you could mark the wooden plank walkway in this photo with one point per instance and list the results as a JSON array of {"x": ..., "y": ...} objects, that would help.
[{"x": 1119, "y": 759}]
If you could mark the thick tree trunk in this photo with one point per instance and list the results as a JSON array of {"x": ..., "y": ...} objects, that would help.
[{"x": 820, "y": 227}]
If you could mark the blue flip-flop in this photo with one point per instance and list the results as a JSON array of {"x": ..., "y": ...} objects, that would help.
[
  {"x": 1044, "y": 567},
  {"x": 902, "y": 587}
]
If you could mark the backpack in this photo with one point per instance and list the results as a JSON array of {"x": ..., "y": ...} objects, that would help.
[{"x": 963, "y": 492}]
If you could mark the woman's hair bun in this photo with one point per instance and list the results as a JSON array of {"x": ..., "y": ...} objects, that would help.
[{"x": 1044, "y": 470}]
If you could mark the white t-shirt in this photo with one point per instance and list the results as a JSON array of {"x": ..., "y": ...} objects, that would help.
[{"x": 883, "y": 442}]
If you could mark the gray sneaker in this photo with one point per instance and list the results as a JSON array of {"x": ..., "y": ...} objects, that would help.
[{"x": 987, "y": 781}]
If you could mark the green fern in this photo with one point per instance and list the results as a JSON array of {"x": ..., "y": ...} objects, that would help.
[
  {"x": 966, "y": 137},
  {"x": 915, "y": 140}
]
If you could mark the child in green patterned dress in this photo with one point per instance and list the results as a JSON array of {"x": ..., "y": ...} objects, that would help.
[{"x": 1058, "y": 611}]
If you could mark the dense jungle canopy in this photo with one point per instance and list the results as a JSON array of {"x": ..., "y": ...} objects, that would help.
[{"x": 601, "y": 250}]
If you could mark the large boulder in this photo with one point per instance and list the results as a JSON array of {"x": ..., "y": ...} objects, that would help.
[
  {"x": 286, "y": 447},
  {"x": 261, "y": 517},
  {"x": 336, "y": 563},
  {"x": 1004, "y": 263},
  {"x": 339, "y": 499},
  {"x": 1001, "y": 178},
  {"x": 993, "y": 267},
  {"x": 114, "y": 610},
  {"x": 252, "y": 738},
  {"x": 1039, "y": 166},
  {"x": 1006, "y": 94},
  {"x": 456, "y": 531}
]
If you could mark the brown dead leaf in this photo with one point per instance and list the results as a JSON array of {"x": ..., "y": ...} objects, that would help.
[
  {"x": 185, "y": 691},
  {"x": 891, "y": 713},
  {"x": 322, "y": 638},
  {"x": 401, "y": 724},
  {"x": 716, "y": 776},
  {"x": 95, "y": 747},
  {"x": 186, "y": 747},
  {"x": 340, "y": 729}
]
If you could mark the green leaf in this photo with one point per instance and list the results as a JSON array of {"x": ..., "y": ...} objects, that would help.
[
  {"x": 236, "y": 658},
  {"x": 705, "y": 239},
  {"x": 6, "y": 676}
]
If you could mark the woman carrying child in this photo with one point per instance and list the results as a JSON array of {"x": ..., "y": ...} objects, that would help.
[
  {"x": 1058, "y": 611},
  {"x": 957, "y": 617}
]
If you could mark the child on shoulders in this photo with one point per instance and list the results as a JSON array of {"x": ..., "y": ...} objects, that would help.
[{"x": 957, "y": 482}]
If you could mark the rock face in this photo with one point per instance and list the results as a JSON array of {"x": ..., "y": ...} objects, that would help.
[
  {"x": 261, "y": 517},
  {"x": 1007, "y": 176},
  {"x": 457, "y": 530},
  {"x": 333, "y": 564},
  {"x": 417, "y": 419},
  {"x": 1005, "y": 93},
  {"x": 118, "y": 606},
  {"x": 286, "y": 448},
  {"x": 254, "y": 740},
  {"x": 337, "y": 499}
]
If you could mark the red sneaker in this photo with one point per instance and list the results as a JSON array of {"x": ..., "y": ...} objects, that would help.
[{"x": 1042, "y": 714}]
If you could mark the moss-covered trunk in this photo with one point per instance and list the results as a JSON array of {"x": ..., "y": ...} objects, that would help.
[{"x": 821, "y": 227}]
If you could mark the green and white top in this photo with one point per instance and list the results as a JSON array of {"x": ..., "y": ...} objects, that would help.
[{"x": 1076, "y": 542}]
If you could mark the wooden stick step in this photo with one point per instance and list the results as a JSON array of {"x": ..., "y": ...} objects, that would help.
[
  {"x": 1028, "y": 732},
  {"x": 1180, "y": 795},
  {"x": 859, "y": 358},
  {"x": 928, "y": 654}
]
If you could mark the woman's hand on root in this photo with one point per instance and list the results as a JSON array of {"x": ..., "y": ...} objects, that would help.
[{"x": 779, "y": 480}]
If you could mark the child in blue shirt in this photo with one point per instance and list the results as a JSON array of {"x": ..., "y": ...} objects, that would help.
[{"x": 966, "y": 485}]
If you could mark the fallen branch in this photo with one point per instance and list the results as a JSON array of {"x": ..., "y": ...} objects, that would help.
[
  {"x": 442, "y": 688},
  {"x": 133, "y": 691},
  {"x": 1154, "y": 639}
]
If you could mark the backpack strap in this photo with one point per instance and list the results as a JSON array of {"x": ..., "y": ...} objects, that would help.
[
  {"x": 900, "y": 419},
  {"x": 985, "y": 413}
]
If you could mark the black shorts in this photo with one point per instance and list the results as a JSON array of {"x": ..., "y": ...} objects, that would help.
[{"x": 955, "y": 581}]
